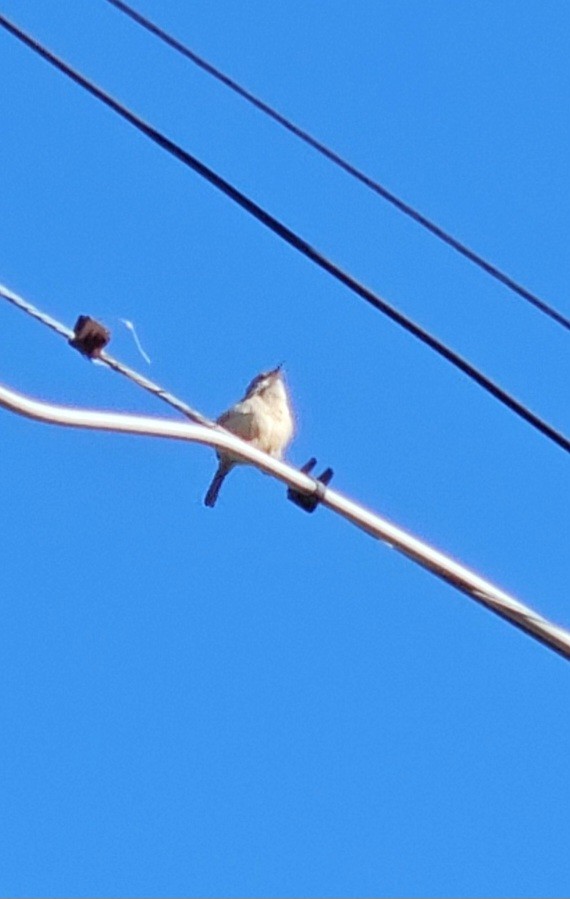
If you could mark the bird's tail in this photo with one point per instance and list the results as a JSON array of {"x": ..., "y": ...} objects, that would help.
[{"x": 214, "y": 488}]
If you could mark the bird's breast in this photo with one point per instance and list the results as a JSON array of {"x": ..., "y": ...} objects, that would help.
[{"x": 276, "y": 430}]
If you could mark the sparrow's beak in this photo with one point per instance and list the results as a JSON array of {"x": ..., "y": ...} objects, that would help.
[{"x": 276, "y": 371}]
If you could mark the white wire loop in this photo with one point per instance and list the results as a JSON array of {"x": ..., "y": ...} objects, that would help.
[{"x": 454, "y": 573}]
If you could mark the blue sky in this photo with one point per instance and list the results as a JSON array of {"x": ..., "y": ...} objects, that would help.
[{"x": 251, "y": 700}]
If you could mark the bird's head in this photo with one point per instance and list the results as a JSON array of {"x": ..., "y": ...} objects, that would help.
[{"x": 265, "y": 381}]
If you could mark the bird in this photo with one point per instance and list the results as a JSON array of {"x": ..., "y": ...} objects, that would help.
[{"x": 263, "y": 417}]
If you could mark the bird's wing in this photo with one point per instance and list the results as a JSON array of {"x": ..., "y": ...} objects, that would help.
[{"x": 240, "y": 422}]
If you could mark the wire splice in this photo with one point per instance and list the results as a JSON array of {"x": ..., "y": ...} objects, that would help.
[
  {"x": 91, "y": 337},
  {"x": 309, "y": 501},
  {"x": 114, "y": 364}
]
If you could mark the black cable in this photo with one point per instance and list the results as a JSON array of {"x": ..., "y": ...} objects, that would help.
[
  {"x": 292, "y": 238},
  {"x": 344, "y": 164}
]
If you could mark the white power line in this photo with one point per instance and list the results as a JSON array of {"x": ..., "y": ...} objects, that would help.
[{"x": 460, "y": 577}]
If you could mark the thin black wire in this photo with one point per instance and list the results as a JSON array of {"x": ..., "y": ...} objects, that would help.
[
  {"x": 292, "y": 238},
  {"x": 334, "y": 157}
]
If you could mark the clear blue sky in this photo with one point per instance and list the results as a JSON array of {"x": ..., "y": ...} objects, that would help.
[{"x": 250, "y": 700}]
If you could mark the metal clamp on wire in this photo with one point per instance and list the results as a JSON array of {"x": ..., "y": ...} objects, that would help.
[
  {"x": 90, "y": 337},
  {"x": 310, "y": 501}
]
